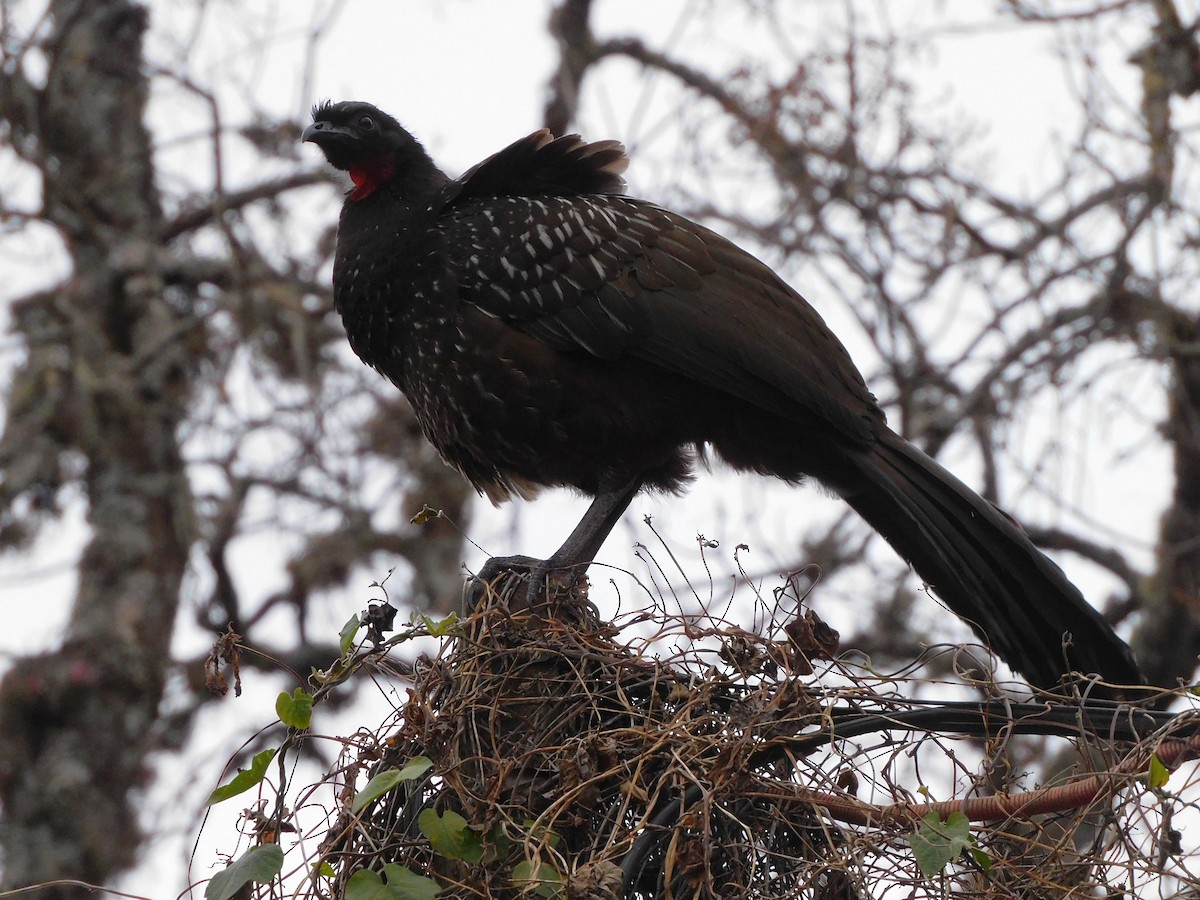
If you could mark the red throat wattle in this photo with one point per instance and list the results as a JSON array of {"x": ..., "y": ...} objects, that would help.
[{"x": 371, "y": 175}]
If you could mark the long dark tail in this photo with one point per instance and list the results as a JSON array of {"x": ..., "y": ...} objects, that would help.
[{"x": 986, "y": 569}]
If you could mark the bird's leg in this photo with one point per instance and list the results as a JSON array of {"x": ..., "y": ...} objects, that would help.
[
  {"x": 582, "y": 545},
  {"x": 577, "y": 551}
]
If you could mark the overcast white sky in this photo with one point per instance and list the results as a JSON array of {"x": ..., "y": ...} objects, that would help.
[{"x": 467, "y": 77}]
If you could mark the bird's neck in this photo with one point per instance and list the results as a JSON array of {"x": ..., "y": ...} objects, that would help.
[
  {"x": 370, "y": 175},
  {"x": 412, "y": 178}
]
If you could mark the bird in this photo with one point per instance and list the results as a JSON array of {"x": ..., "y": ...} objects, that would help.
[{"x": 549, "y": 330}]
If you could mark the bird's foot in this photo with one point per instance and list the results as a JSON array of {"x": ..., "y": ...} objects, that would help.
[{"x": 519, "y": 582}]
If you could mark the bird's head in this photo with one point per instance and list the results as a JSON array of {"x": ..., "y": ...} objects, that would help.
[{"x": 372, "y": 146}]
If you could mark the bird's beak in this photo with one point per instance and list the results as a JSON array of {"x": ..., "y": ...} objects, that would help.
[
  {"x": 314, "y": 131},
  {"x": 323, "y": 134},
  {"x": 340, "y": 145}
]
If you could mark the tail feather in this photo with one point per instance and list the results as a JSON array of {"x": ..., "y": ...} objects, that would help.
[{"x": 986, "y": 569}]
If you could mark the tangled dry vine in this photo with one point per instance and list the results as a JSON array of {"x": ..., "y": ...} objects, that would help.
[{"x": 547, "y": 752}]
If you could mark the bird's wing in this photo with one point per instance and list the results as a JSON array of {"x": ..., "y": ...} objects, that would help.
[{"x": 611, "y": 276}]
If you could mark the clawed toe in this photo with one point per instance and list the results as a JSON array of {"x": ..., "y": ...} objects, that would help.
[
  {"x": 518, "y": 581},
  {"x": 521, "y": 582}
]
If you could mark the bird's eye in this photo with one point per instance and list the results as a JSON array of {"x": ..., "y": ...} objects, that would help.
[{"x": 366, "y": 123}]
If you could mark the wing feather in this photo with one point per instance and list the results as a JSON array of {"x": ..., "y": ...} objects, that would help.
[{"x": 620, "y": 277}]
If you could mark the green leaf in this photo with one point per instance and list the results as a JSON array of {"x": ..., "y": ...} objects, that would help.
[
  {"x": 450, "y": 835},
  {"x": 408, "y": 885},
  {"x": 415, "y": 768},
  {"x": 440, "y": 627},
  {"x": 379, "y": 785},
  {"x": 244, "y": 779},
  {"x": 346, "y": 635},
  {"x": 325, "y": 870},
  {"x": 496, "y": 845},
  {"x": 402, "y": 884},
  {"x": 548, "y": 881},
  {"x": 936, "y": 843},
  {"x": 295, "y": 710},
  {"x": 981, "y": 858},
  {"x": 386, "y": 780},
  {"x": 1159, "y": 774},
  {"x": 258, "y": 864},
  {"x": 366, "y": 885}
]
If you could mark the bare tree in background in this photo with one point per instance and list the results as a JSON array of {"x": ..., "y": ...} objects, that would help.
[
  {"x": 181, "y": 341},
  {"x": 191, "y": 330}
]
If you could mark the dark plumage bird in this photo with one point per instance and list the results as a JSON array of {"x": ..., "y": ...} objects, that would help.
[{"x": 550, "y": 331}]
